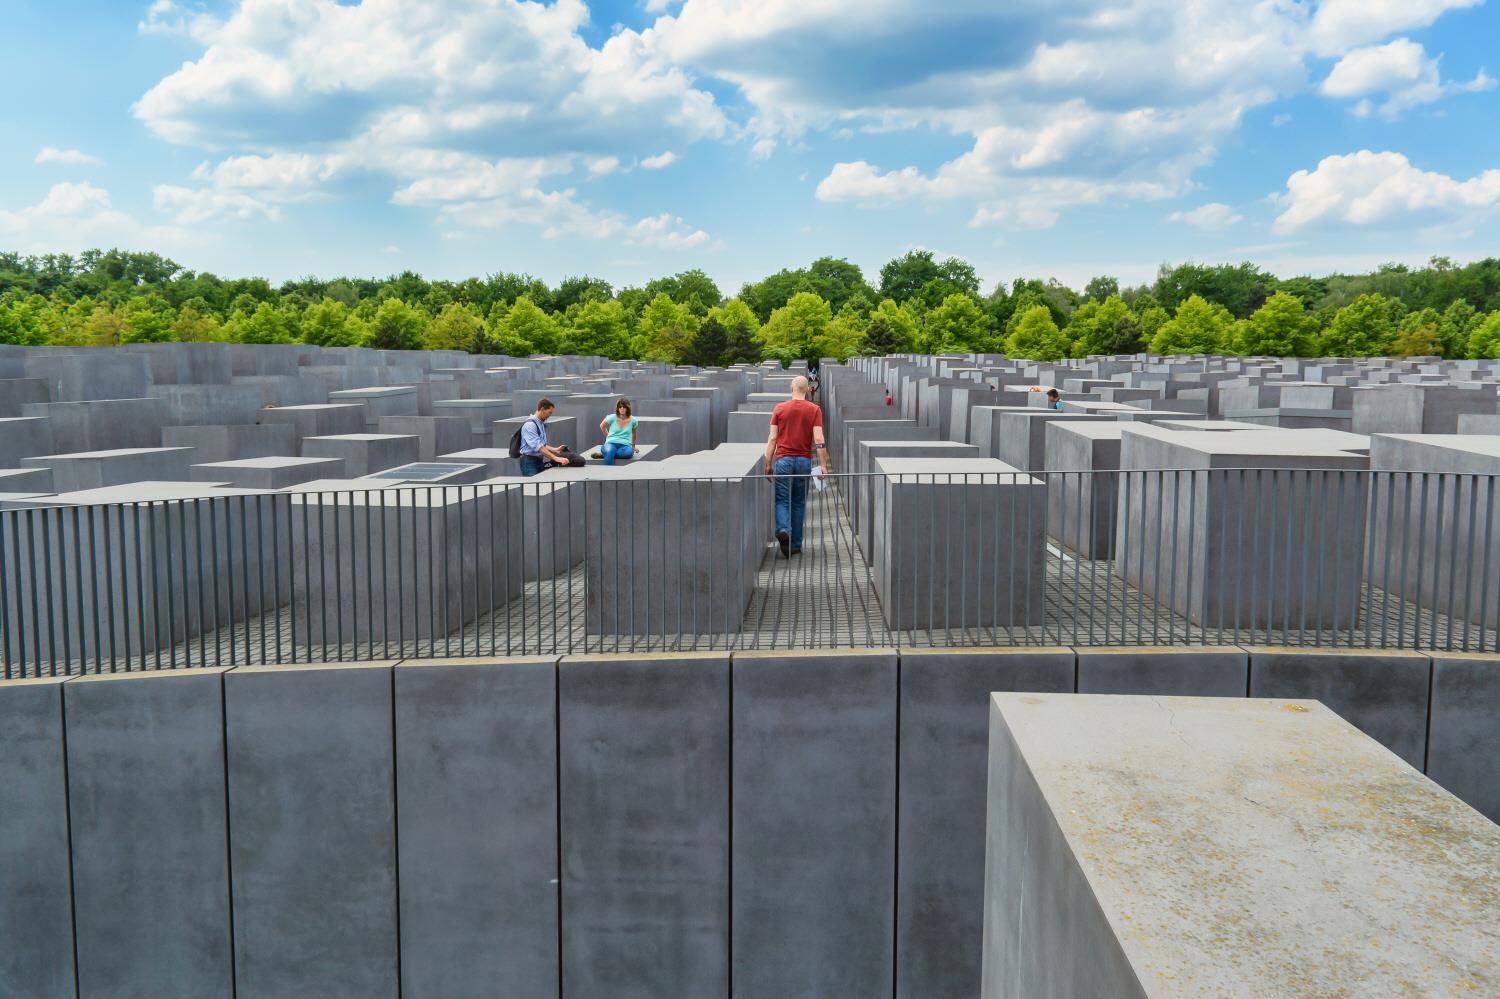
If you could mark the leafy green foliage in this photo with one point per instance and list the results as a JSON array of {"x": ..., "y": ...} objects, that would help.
[
  {"x": 1036, "y": 337},
  {"x": 1199, "y": 327}
]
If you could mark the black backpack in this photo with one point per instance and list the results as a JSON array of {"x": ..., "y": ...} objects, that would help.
[{"x": 515, "y": 438}]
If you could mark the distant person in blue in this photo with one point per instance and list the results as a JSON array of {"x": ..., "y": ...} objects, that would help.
[
  {"x": 536, "y": 454},
  {"x": 1054, "y": 401},
  {"x": 619, "y": 433}
]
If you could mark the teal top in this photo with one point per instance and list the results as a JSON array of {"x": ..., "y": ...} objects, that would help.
[{"x": 619, "y": 433}]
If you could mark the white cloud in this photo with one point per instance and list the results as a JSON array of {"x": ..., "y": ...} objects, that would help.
[
  {"x": 449, "y": 101},
  {"x": 164, "y": 17},
  {"x": 666, "y": 232},
  {"x": 1339, "y": 25},
  {"x": 1281, "y": 119},
  {"x": 660, "y": 161},
  {"x": 864, "y": 183},
  {"x": 67, "y": 157},
  {"x": 1402, "y": 70},
  {"x": 195, "y": 206},
  {"x": 1211, "y": 217},
  {"x": 71, "y": 215},
  {"x": 1368, "y": 188}
]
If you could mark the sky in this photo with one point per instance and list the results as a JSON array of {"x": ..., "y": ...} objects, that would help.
[{"x": 636, "y": 138}]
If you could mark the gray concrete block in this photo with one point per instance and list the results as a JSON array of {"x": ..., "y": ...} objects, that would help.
[
  {"x": 90, "y": 375},
  {"x": 959, "y": 544},
  {"x": 36, "y": 909},
  {"x": 364, "y": 454},
  {"x": 97, "y": 469},
  {"x": 16, "y": 393},
  {"x": 24, "y": 437},
  {"x": 318, "y": 419},
  {"x": 1206, "y": 671},
  {"x": 199, "y": 405},
  {"x": 1463, "y": 747},
  {"x": 644, "y": 768},
  {"x": 150, "y": 843},
  {"x": 233, "y": 443},
  {"x": 269, "y": 472},
  {"x": 1216, "y": 846},
  {"x": 379, "y": 401},
  {"x": 1382, "y": 693},
  {"x": 476, "y": 791},
  {"x": 814, "y": 823},
  {"x": 312, "y": 819},
  {"x": 26, "y": 480},
  {"x": 944, "y": 755},
  {"x": 749, "y": 426},
  {"x": 435, "y": 434},
  {"x": 102, "y": 425}
]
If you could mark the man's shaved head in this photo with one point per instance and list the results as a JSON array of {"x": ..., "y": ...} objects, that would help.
[{"x": 800, "y": 385}]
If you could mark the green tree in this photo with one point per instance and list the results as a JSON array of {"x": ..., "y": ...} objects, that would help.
[
  {"x": 666, "y": 330},
  {"x": 736, "y": 312},
  {"x": 708, "y": 344},
  {"x": 1036, "y": 337},
  {"x": 794, "y": 329},
  {"x": 843, "y": 334},
  {"x": 1484, "y": 341},
  {"x": 1101, "y": 289},
  {"x": 1421, "y": 334},
  {"x": 192, "y": 326},
  {"x": 599, "y": 329},
  {"x": 1095, "y": 325},
  {"x": 1360, "y": 329},
  {"x": 330, "y": 323},
  {"x": 398, "y": 326},
  {"x": 1460, "y": 319},
  {"x": 881, "y": 339},
  {"x": 836, "y": 281},
  {"x": 458, "y": 326},
  {"x": 1280, "y": 328},
  {"x": 693, "y": 288},
  {"x": 1200, "y": 327},
  {"x": 741, "y": 347},
  {"x": 264, "y": 325},
  {"x": 20, "y": 325},
  {"x": 145, "y": 324},
  {"x": 957, "y": 324},
  {"x": 526, "y": 329},
  {"x": 579, "y": 290}
]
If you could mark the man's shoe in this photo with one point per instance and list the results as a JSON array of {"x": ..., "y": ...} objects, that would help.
[
  {"x": 796, "y": 551},
  {"x": 785, "y": 541}
]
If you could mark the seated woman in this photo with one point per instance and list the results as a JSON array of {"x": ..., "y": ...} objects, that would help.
[{"x": 618, "y": 429}]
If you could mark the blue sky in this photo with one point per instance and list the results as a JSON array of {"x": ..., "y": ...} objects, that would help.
[{"x": 636, "y": 138}]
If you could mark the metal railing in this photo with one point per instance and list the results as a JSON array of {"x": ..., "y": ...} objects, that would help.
[{"x": 1300, "y": 557}]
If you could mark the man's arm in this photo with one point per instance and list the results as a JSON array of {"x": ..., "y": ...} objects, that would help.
[
  {"x": 770, "y": 448},
  {"x": 820, "y": 448}
]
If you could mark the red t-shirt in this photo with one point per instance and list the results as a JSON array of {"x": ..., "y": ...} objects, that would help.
[{"x": 794, "y": 421}]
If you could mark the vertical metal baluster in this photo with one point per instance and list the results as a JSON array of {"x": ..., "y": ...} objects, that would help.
[
  {"x": 1468, "y": 567},
  {"x": 369, "y": 581},
  {"x": 276, "y": 502},
  {"x": 260, "y": 576},
  {"x": 1437, "y": 563},
  {"x": 401, "y": 516},
  {"x": 1421, "y": 552},
  {"x": 495, "y": 603},
  {"x": 93, "y": 606},
  {"x": 7, "y": 520},
  {"x": 1484, "y": 575},
  {"x": 1453, "y": 566},
  {"x": 36, "y": 618}
]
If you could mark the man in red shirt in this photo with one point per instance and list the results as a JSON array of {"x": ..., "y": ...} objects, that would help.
[{"x": 796, "y": 432}]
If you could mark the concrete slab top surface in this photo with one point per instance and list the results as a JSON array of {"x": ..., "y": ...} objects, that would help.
[
  {"x": 1485, "y": 444},
  {"x": 122, "y": 452},
  {"x": 147, "y": 492},
  {"x": 968, "y": 469},
  {"x": 364, "y": 437},
  {"x": 269, "y": 461},
  {"x": 1264, "y": 847}
]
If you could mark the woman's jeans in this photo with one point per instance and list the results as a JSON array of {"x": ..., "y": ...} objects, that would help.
[
  {"x": 791, "y": 496},
  {"x": 613, "y": 451}
]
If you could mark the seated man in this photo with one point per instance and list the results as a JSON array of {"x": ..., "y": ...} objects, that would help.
[{"x": 536, "y": 453}]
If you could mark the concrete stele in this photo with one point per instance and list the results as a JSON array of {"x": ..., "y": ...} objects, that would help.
[{"x": 1169, "y": 847}]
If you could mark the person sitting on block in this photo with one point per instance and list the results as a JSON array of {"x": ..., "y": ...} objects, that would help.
[{"x": 619, "y": 433}]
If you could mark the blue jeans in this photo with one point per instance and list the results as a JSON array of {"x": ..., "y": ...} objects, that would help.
[
  {"x": 791, "y": 496},
  {"x": 613, "y": 451},
  {"x": 532, "y": 464}
]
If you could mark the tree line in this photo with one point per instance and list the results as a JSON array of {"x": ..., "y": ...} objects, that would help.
[{"x": 826, "y": 309}]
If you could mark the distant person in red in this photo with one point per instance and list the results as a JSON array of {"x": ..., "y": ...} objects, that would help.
[
  {"x": 796, "y": 432},
  {"x": 887, "y": 397}
]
